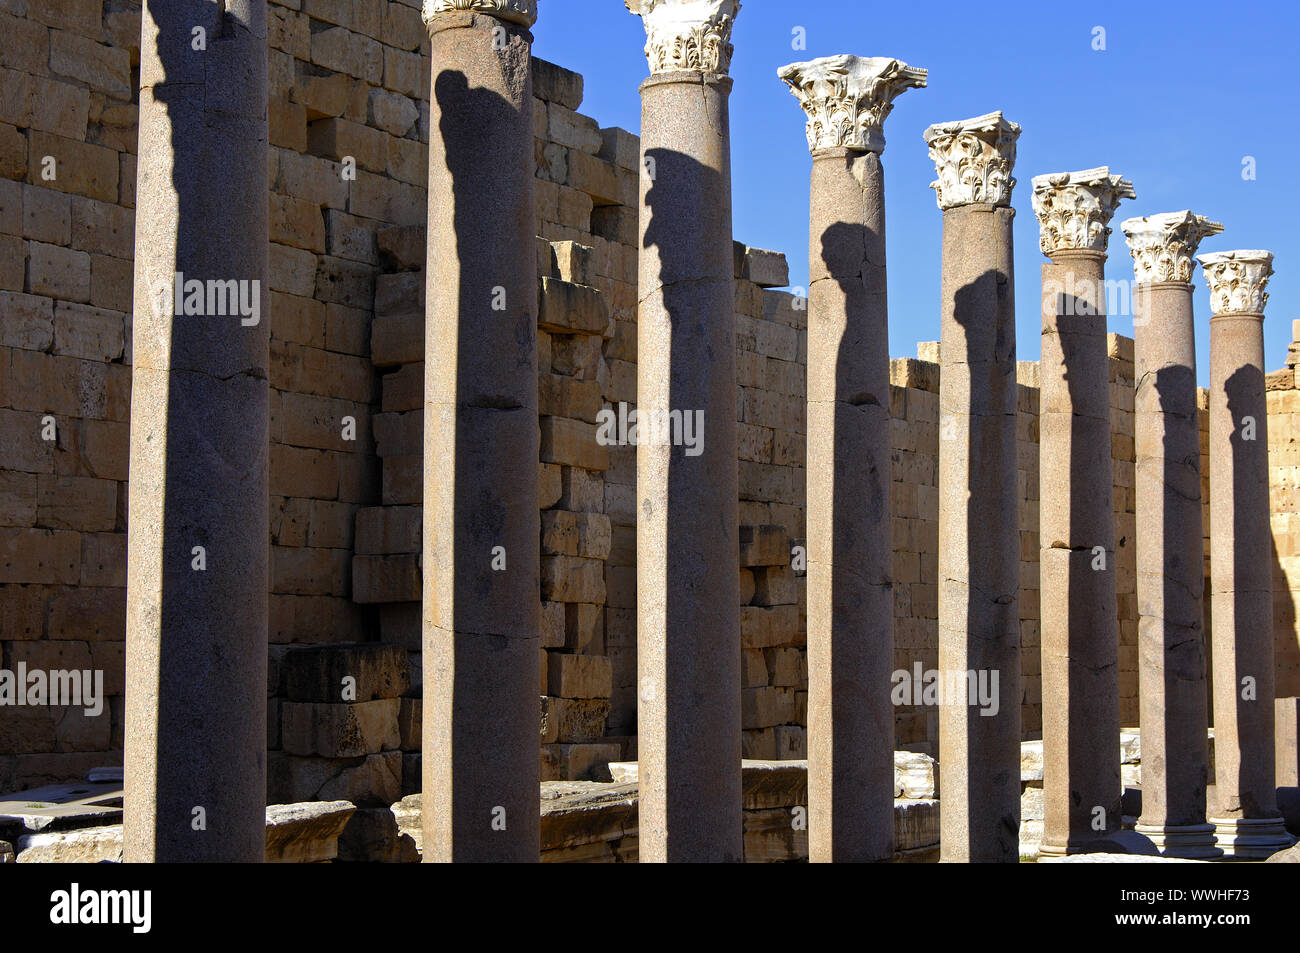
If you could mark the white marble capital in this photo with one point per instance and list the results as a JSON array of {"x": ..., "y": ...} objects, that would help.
[
  {"x": 847, "y": 98},
  {"x": 1237, "y": 280},
  {"x": 973, "y": 159},
  {"x": 523, "y": 12},
  {"x": 1164, "y": 246},
  {"x": 687, "y": 34},
  {"x": 1074, "y": 209}
]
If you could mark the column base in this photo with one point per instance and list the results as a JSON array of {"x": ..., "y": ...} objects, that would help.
[
  {"x": 1122, "y": 841},
  {"x": 1251, "y": 838},
  {"x": 1189, "y": 842}
]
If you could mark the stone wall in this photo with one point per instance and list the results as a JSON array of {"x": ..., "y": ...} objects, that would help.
[{"x": 348, "y": 119}]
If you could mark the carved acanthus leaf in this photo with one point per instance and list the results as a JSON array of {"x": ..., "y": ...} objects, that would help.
[
  {"x": 687, "y": 34},
  {"x": 974, "y": 159},
  {"x": 847, "y": 98},
  {"x": 1074, "y": 209},
  {"x": 1164, "y": 246},
  {"x": 1237, "y": 280},
  {"x": 514, "y": 11}
]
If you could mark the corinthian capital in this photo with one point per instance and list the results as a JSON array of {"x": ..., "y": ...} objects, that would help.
[
  {"x": 848, "y": 97},
  {"x": 974, "y": 159},
  {"x": 687, "y": 34},
  {"x": 1164, "y": 246},
  {"x": 515, "y": 11},
  {"x": 1237, "y": 280},
  {"x": 1074, "y": 208}
]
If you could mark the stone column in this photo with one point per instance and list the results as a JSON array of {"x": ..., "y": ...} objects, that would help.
[
  {"x": 196, "y": 629},
  {"x": 1076, "y": 517},
  {"x": 1170, "y": 545},
  {"x": 979, "y": 526},
  {"x": 688, "y": 616},
  {"x": 481, "y": 764},
  {"x": 850, "y": 571},
  {"x": 1245, "y": 814}
]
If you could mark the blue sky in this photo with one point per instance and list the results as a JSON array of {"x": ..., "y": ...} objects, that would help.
[{"x": 1180, "y": 95}]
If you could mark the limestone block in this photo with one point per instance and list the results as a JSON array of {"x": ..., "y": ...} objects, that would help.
[
  {"x": 579, "y": 676},
  {"x": 775, "y": 586},
  {"x": 573, "y": 579},
  {"x": 306, "y": 833},
  {"x": 572, "y": 442},
  {"x": 397, "y": 339},
  {"x": 553, "y": 625},
  {"x": 574, "y": 263},
  {"x": 554, "y": 84},
  {"x": 575, "y": 534},
  {"x": 317, "y": 674},
  {"x": 373, "y": 780},
  {"x": 568, "y": 308},
  {"x": 768, "y": 627},
  {"x": 584, "y": 628},
  {"x": 573, "y": 720},
  {"x": 566, "y": 397},
  {"x": 764, "y": 546},
  {"x": 372, "y": 836},
  {"x": 392, "y": 578}
]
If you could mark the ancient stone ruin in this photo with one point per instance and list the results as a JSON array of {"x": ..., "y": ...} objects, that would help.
[{"x": 380, "y": 437}]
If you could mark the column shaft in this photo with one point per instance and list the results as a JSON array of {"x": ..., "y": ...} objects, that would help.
[
  {"x": 688, "y": 617},
  {"x": 1241, "y": 606},
  {"x": 1170, "y": 573},
  {"x": 197, "y": 581},
  {"x": 1080, "y": 619},
  {"x": 481, "y": 764},
  {"x": 850, "y": 589},
  {"x": 979, "y": 538}
]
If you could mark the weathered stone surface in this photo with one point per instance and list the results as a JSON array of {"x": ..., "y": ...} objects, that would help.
[
  {"x": 340, "y": 730},
  {"x": 305, "y": 833},
  {"x": 323, "y": 673}
]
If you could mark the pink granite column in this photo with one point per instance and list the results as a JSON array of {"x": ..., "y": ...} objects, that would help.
[
  {"x": 850, "y": 571},
  {"x": 1076, "y": 521},
  {"x": 1170, "y": 557},
  {"x": 979, "y": 531},
  {"x": 688, "y": 537},
  {"x": 197, "y": 551},
  {"x": 1245, "y": 814},
  {"x": 481, "y": 763}
]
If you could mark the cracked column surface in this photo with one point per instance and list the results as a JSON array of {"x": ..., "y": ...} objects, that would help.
[
  {"x": 688, "y": 613},
  {"x": 196, "y": 629},
  {"x": 1245, "y": 813},
  {"x": 1170, "y": 546},
  {"x": 1076, "y": 521},
  {"x": 979, "y": 531},
  {"x": 850, "y": 572},
  {"x": 481, "y": 757}
]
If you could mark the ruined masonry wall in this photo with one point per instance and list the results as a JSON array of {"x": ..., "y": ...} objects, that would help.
[{"x": 350, "y": 78}]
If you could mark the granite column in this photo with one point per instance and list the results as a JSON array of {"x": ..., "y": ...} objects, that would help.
[
  {"x": 1245, "y": 814},
  {"x": 1076, "y": 521},
  {"x": 481, "y": 616},
  {"x": 197, "y": 570},
  {"x": 1170, "y": 544},
  {"x": 850, "y": 571},
  {"x": 979, "y": 531},
  {"x": 688, "y": 616}
]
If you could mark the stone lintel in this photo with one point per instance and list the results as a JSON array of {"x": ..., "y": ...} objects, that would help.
[
  {"x": 523, "y": 12},
  {"x": 847, "y": 98},
  {"x": 1074, "y": 209},
  {"x": 687, "y": 35},
  {"x": 1164, "y": 246},
  {"x": 974, "y": 159},
  {"x": 1237, "y": 280}
]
